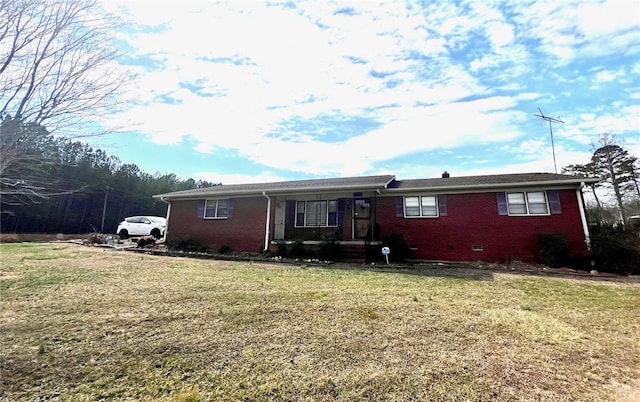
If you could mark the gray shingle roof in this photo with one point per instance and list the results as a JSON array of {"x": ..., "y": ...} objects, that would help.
[
  {"x": 498, "y": 180},
  {"x": 386, "y": 183},
  {"x": 344, "y": 183}
]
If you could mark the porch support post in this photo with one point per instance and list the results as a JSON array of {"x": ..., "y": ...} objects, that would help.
[
  {"x": 266, "y": 229},
  {"x": 583, "y": 217}
]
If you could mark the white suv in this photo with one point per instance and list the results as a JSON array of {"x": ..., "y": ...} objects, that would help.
[{"x": 142, "y": 226}]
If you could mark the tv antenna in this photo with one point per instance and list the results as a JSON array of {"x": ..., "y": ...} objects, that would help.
[{"x": 550, "y": 120}]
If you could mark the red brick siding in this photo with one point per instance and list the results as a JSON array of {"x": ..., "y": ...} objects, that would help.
[
  {"x": 473, "y": 220},
  {"x": 244, "y": 231}
]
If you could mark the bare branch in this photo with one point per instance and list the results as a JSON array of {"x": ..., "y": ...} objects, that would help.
[{"x": 57, "y": 62}]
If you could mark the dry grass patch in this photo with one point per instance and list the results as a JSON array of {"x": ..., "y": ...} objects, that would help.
[{"x": 79, "y": 323}]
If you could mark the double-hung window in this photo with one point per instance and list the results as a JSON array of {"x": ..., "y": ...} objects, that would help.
[
  {"x": 216, "y": 209},
  {"x": 528, "y": 203},
  {"x": 317, "y": 213},
  {"x": 421, "y": 206}
]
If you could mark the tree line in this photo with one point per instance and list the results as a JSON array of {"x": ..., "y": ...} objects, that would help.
[{"x": 52, "y": 184}]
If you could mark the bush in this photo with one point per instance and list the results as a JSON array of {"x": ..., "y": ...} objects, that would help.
[
  {"x": 186, "y": 243},
  {"x": 297, "y": 250},
  {"x": 616, "y": 250},
  {"x": 329, "y": 251},
  {"x": 282, "y": 250},
  {"x": 146, "y": 241},
  {"x": 554, "y": 249},
  {"x": 225, "y": 249},
  {"x": 400, "y": 250}
]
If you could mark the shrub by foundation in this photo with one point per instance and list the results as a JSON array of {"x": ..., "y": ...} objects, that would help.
[
  {"x": 616, "y": 250},
  {"x": 400, "y": 250},
  {"x": 554, "y": 249},
  {"x": 186, "y": 243},
  {"x": 329, "y": 251},
  {"x": 282, "y": 250},
  {"x": 297, "y": 250}
]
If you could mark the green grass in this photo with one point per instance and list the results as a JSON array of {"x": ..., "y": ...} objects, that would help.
[{"x": 80, "y": 323}]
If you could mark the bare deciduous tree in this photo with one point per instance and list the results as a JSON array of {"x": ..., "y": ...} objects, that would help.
[
  {"x": 58, "y": 73},
  {"x": 57, "y": 62}
]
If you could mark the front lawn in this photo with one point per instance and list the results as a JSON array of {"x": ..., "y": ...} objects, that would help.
[{"x": 80, "y": 323}]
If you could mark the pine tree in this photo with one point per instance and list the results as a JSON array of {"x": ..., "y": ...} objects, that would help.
[{"x": 612, "y": 164}]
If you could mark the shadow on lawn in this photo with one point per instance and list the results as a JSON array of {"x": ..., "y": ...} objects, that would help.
[{"x": 429, "y": 270}]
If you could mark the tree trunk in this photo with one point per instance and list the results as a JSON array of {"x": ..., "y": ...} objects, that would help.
[
  {"x": 616, "y": 190},
  {"x": 595, "y": 195}
]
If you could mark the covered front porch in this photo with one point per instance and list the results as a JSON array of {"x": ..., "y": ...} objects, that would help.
[
  {"x": 324, "y": 227},
  {"x": 326, "y": 219}
]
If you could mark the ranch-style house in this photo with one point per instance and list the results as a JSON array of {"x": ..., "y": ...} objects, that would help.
[{"x": 473, "y": 218}]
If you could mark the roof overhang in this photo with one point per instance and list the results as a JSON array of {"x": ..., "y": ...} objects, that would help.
[
  {"x": 379, "y": 184},
  {"x": 573, "y": 183},
  {"x": 256, "y": 190}
]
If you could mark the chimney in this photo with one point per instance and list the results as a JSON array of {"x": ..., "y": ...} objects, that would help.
[{"x": 445, "y": 175}]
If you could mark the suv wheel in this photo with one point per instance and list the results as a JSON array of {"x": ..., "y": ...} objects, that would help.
[
  {"x": 123, "y": 234},
  {"x": 156, "y": 233}
]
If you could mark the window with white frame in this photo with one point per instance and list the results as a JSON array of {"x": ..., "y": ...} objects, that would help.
[
  {"x": 528, "y": 203},
  {"x": 421, "y": 206},
  {"x": 216, "y": 208},
  {"x": 317, "y": 213}
]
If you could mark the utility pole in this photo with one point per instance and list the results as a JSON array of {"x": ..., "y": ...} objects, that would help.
[
  {"x": 104, "y": 209},
  {"x": 550, "y": 120}
]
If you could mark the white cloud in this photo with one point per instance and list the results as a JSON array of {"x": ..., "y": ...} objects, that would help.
[
  {"x": 414, "y": 130},
  {"x": 604, "y": 76},
  {"x": 541, "y": 162},
  {"x": 416, "y": 71},
  {"x": 569, "y": 30}
]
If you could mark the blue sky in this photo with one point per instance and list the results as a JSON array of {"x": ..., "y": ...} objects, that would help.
[{"x": 242, "y": 92}]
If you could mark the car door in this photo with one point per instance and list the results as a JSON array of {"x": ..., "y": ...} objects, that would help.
[
  {"x": 139, "y": 226},
  {"x": 145, "y": 226}
]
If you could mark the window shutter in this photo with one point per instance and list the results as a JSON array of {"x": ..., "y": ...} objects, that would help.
[
  {"x": 342, "y": 206},
  {"x": 442, "y": 205},
  {"x": 290, "y": 212},
  {"x": 554, "y": 202},
  {"x": 399, "y": 206},
  {"x": 200, "y": 208},
  {"x": 502, "y": 204},
  {"x": 231, "y": 206}
]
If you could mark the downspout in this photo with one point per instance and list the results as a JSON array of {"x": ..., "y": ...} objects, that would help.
[
  {"x": 266, "y": 229},
  {"x": 166, "y": 229},
  {"x": 583, "y": 217}
]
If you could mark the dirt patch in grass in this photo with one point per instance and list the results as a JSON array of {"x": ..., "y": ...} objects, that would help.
[{"x": 82, "y": 323}]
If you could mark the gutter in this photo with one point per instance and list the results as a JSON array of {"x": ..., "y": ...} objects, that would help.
[
  {"x": 557, "y": 183},
  {"x": 266, "y": 229},
  {"x": 583, "y": 216},
  {"x": 383, "y": 188},
  {"x": 211, "y": 191},
  {"x": 166, "y": 229}
]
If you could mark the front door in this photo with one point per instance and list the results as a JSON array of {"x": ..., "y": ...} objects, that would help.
[
  {"x": 361, "y": 217},
  {"x": 279, "y": 221}
]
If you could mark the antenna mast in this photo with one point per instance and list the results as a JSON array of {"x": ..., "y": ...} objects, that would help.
[{"x": 550, "y": 120}]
